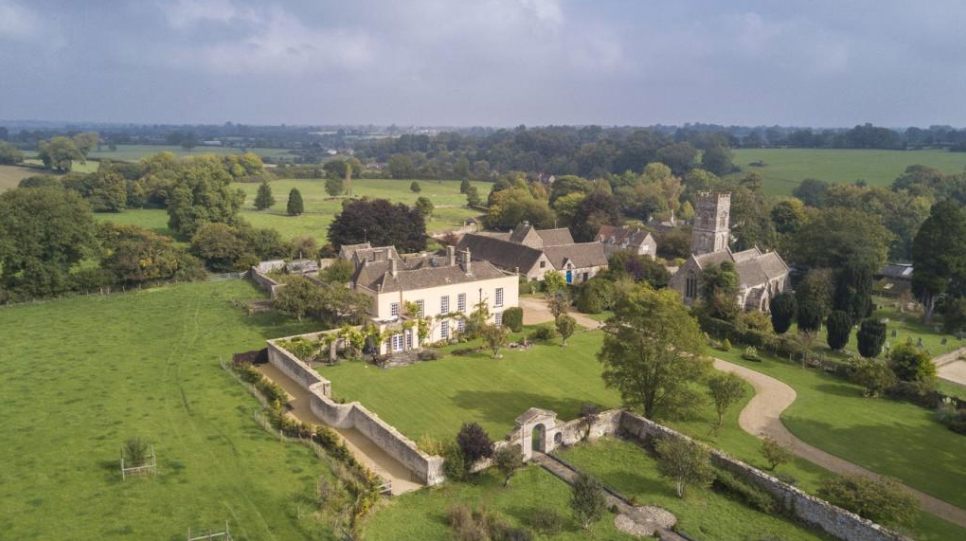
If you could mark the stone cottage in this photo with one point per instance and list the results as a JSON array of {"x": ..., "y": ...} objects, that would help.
[
  {"x": 631, "y": 239},
  {"x": 532, "y": 252}
]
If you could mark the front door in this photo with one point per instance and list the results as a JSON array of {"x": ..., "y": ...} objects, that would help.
[
  {"x": 570, "y": 276},
  {"x": 537, "y": 437}
]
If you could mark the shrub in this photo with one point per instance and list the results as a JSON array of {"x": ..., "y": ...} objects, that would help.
[
  {"x": 751, "y": 495},
  {"x": 543, "y": 334},
  {"x": 683, "y": 461},
  {"x": 513, "y": 318},
  {"x": 726, "y": 345},
  {"x": 272, "y": 392},
  {"x": 882, "y": 500},
  {"x": 871, "y": 374},
  {"x": 430, "y": 445},
  {"x": 871, "y": 337},
  {"x": 953, "y": 419},
  {"x": 587, "y": 500},
  {"x": 327, "y": 437},
  {"x": 751, "y": 354},
  {"x": 454, "y": 466},
  {"x": 465, "y": 351},
  {"x": 910, "y": 364},
  {"x": 428, "y": 355},
  {"x": 922, "y": 393},
  {"x": 774, "y": 453},
  {"x": 474, "y": 443},
  {"x": 839, "y": 326},
  {"x": 135, "y": 452},
  {"x": 249, "y": 375},
  {"x": 546, "y": 521},
  {"x": 754, "y": 320},
  {"x": 508, "y": 459}
]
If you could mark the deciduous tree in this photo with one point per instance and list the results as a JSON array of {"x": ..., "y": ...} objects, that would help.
[
  {"x": 725, "y": 391},
  {"x": 652, "y": 352},
  {"x": 587, "y": 500},
  {"x": 684, "y": 461}
]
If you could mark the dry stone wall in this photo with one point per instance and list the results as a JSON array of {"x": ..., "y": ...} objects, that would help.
[
  {"x": 428, "y": 468},
  {"x": 834, "y": 520}
]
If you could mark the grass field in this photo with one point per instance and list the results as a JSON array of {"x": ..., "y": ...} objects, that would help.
[
  {"x": 894, "y": 438},
  {"x": 82, "y": 375},
  {"x": 786, "y": 168},
  {"x": 11, "y": 175},
  {"x": 436, "y": 397},
  {"x": 132, "y": 153},
  {"x": 422, "y": 515},
  {"x": 703, "y": 513},
  {"x": 320, "y": 208}
]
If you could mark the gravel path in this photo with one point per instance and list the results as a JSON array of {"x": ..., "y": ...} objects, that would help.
[
  {"x": 762, "y": 417},
  {"x": 535, "y": 311}
]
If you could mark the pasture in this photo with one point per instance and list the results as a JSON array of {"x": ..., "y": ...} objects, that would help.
[
  {"x": 82, "y": 375},
  {"x": 11, "y": 175},
  {"x": 321, "y": 208},
  {"x": 133, "y": 153},
  {"x": 785, "y": 168}
]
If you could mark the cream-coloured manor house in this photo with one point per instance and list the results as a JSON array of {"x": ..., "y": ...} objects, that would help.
[{"x": 442, "y": 286}]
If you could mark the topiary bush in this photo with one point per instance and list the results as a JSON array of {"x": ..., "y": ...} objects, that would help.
[{"x": 513, "y": 318}]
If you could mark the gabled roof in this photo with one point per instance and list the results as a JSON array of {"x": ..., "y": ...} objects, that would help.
[
  {"x": 753, "y": 267},
  {"x": 500, "y": 251},
  {"x": 555, "y": 237},
  {"x": 377, "y": 276},
  {"x": 584, "y": 254},
  {"x": 623, "y": 234},
  {"x": 349, "y": 250}
]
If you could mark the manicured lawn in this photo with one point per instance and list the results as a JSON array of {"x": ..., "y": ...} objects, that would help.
[
  {"x": 82, "y": 375},
  {"x": 422, "y": 515},
  {"x": 436, "y": 397},
  {"x": 703, "y": 513},
  {"x": 890, "y": 437},
  {"x": 786, "y": 168}
]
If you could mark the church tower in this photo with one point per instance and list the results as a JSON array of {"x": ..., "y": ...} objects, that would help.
[{"x": 711, "y": 233}]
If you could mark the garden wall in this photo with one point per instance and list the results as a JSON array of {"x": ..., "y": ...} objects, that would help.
[
  {"x": 834, "y": 520},
  {"x": 264, "y": 282},
  {"x": 353, "y": 415}
]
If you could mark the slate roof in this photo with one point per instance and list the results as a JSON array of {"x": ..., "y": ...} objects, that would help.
[
  {"x": 500, "y": 251},
  {"x": 555, "y": 237},
  {"x": 900, "y": 271},
  {"x": 620, "y": 235},
  {"x": 349, "y": 250},
  {"x": 584, "y": 254},
  {"x": 754, "y": 268},
  {"x": 378, "y": 275}
]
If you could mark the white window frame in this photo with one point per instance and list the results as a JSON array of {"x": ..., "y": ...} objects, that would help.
[
  {"x": 461, "y": 303},
  {"x": 421, "y": 312},
  {"x": 444, "y": 304},
  {"x": 396, "y": 342},
  {"x": 394, "y": 309},
  {"x": 460, "y": 325},
  {"x": 409, "y": 339},
  {"x": 498, "y": 297},
  {"x": 444, "y": 329},
  {"x": 498, "y": 319}
]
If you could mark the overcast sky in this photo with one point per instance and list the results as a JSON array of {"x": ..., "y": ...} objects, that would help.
[{"x": 485, "y": 62}]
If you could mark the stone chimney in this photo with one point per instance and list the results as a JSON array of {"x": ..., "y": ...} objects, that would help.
[
  {"x": 393, "y": 266},
  {"x": 451, "y": 255},
  {"x": 467, "y": 260}
]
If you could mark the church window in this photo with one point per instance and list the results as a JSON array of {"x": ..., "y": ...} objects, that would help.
[{"x": 691, "y": 286}]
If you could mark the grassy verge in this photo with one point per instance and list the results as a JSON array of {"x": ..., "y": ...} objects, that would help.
[{"x": 82, "y": 375}]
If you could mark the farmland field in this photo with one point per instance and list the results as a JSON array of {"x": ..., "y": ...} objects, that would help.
[
  {"x": 786, "y": 168},
  {"x": 82, "y": 375},
  {"x": 131, "y": 153},
  {"x": 11, "y": 175}
]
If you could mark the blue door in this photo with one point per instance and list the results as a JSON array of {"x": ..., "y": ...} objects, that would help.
[{"x": 570, "y": 277}]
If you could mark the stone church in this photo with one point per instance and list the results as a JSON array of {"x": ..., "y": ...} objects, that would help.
[{"x": 761, "y": 276}]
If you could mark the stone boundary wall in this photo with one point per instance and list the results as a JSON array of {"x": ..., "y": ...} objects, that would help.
[
  {"x": 353, "y": 415},
  {"x": 833, "y": 520},
  {"x": 264, "y": 282}
]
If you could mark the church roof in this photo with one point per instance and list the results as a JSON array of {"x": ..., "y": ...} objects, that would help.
[{"x": 753, "y": 267}]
